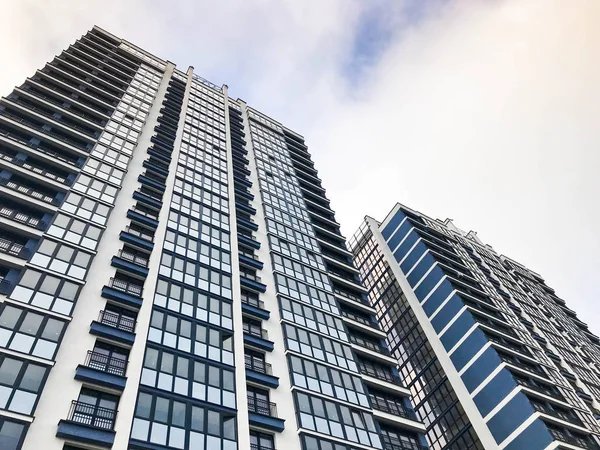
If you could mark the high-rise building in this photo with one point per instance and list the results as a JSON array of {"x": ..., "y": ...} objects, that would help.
[
  {"x": 494, "y": 359},
  {"x": 172, "y": 274}
]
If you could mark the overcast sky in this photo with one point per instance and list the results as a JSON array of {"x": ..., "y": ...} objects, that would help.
[{"x": 485, "y": 111}]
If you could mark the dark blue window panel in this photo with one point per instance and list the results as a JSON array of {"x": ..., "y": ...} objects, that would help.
[
  {"x": 441, "y": 292},
  {"x": 266, "y": 422},
  {"x": 421, "y": 269},
  {"x": 470, "y": 346},
  {"x": 494, "y": 392},
  {"x": 481, "y": 369},
  {"x": 446, "y": 314},
  {"x": 508, "y": 419},
  {"x": 399, "y": 235},
  {"x": 457, "y": 330},
  {"x": 534, "y": 437},
  {"x": 406, "y": 246},
  {"x": 392, "y": 224},
  {"x": 413, "y": 256}
]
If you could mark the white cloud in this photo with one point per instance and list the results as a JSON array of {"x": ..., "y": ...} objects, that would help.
[{"x": 484, "y": 111}]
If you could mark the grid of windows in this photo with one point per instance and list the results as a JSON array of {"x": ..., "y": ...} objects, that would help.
[
  {"x": 46, "y": 291},
  {"x": 288, "y": 233},
  {"x": 201, "y": 179},
  {"x": 301, "y": 272},
  {"x": 12, "y": 433},
  {"x": 62, "y": 259},
  {"x": 104, "y": 171},
  {"x": 110, "y": 156},
  {"x": 20, "y": 384},
  {"x": 197, "y": 213},
  {"x": 191, "y": 303},
  {"x": 163, "y": 421},
  {"x": 187, "y": 336},
  {"x": 185, "y": 376},
  {"x": 318, "y": 347},
  {"x": 328, "y": 381},
  {"x": 86, "y": 208},
  {"x": 197, "y": 251},
  {"x": 305, "y": 293},
  {"x": 305, "y": 316},
  {"x": 336, "y": 420},
  {"x": 296, "y": 252},
  {"x": 96, "y": 189},
  {"x": 193, "y": 274},
  {"x": 29, "y": 332},
  {"x": 75, "y": 231}
]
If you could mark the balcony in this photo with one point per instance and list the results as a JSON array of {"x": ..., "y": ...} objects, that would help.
[
  {"x": 114, "y": 327},
  {"x": 13, "y": 248},
  {"x": 254, "y": 307},
  {"x": 263, "y": 414},
  {"x": 137, "y": 237},
  {"x": 248, "y": 240},
  {"x": 130, "y": 262},
  {"x": 257, "y": 338},
  {"x": 153, "y": 201},
  {"x": 142, "y": 216},
  {"x": 564, "y": 415},
  {"x": 370, "y": 345},
  {"x": 392, "y": 407},
  {"x": 154, "y": 184},
  {"x": 14, "y": 184},
  {"x": 581, "y": 442},
  {"x": 252, "y": 281},
  {"x": 545, "y": 389},
  {"x": 398, "y": 445},
  {"x": 21, "y": 160},
  {"x": 260, "y": 373},
  {"x": 102, "y": 370},
  {"x": 88, "y": 424},
  {"x": 125, "y": 292},
  {"x": 250, "y": 259}
]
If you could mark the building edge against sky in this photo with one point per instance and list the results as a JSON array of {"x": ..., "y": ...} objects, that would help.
[
  {"x": 493, "y": 357},
  {"x": 172, "y": 274}
]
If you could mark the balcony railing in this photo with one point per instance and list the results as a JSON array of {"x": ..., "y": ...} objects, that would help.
[
  {"x": 262, "y": 407},
  {"x": 543, "y": 389},
  {"x": 261, "y": 447},
  {"x": 380, "y": 374},
  {"x": 60, "y": 104},
  {"x": 258, "y": 332},
  {"x": 10, "y": 213},
  {"x": 259, "y": 366},
  {"x": 570, "y": 439},
  {"x": 14, "y": 248},
  {"x": 251, "y": 276},
  {"x": 369, "y": 345},
  {"x": 352, "y": 297},
  {"x": 559, "y": 414},
  {"x": 360, "y": 319},
  {"x": 29, "y": 191},
  {"x": 389, "y": 444},
  {"x": 92, "y": 415},
  {"x": 392, "y": 407},
  {"x": 41, "y": 129},
  {"x": 105, "y": 363},
  {"x": 144, "y": 213},
  {"x": 33, "y": 168},
  {"x": 40, "y": 148},
  {"x": 55, "y": 75},
  {"x": 253, "y": 301},
  {"x": 529, "y": 367},
  {"x": 126, "y": 286},
  {"x": 145, "y": 236},
  {"x": 133, "y": 258},
  {"x": 116, "y": 320}
]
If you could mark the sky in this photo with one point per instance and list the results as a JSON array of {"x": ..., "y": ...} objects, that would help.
[{"x": 484, "y": 111}]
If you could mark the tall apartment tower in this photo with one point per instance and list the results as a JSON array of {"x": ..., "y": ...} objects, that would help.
[
  {"x": 172, "y": 275},
  {"x": 493, "y": 357}
]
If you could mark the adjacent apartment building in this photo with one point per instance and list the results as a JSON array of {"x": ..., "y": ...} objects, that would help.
[
  {"x": 172, "y": 275},
  {"x": 493, "y": 357}
]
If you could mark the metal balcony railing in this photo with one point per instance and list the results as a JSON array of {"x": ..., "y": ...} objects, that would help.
[
  {"x": 41, "y": 148},
  {"x": 384, "y": 375},
  {"x": 261, "y": 447},
  {"x": 258, "y": 332},
  {"x": 529, "y": 367},
  {"x": 116, "y": 320},
  {"x": 144, "y": 213},
  {"x": 251, "y": 276},
  {"x": 262, "y": 407},
  {"x": 563, "y": 415},
  {"x": 29, "y": 191},
  {"x": 392, "y": 407},
  {"x": 538, "y": 387},
  {"x": 146, "y": 236},
  {"x": 349, "y": 296},
  {"x": 389, "y": 444},
  {"x": 10, "y": 213},
  {"x": 570, "y": 439},
  {"x": 92, "y": 415},
  {"x": 126, "y": 286},
  {"x": 41, "y": 129},
  {"x": 14, "y": 248},
  {"x": 133, "y": 258},
  {"x": 378, "y": 348},
  {"x": 258, "y": 366},
  {"x": 105, "y": 363},
  {"x": 360, "y": 319},
  {"x": 73, "y": 84},
  {"x": 253, "y": 301},
  {"x": 33, "y": 168},
  {"x": 60, "y": 104}
]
